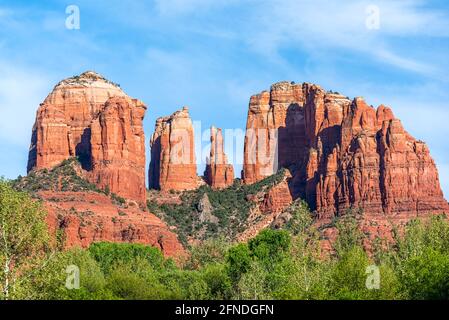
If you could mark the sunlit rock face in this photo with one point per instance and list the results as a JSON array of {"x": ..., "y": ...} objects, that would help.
[
  {"x": 173, "y": 161},
  {"x": 342, "y": 153},
  {"x": 275, "y": 131},
  {"x": 105, "y": 221},
  {"x": 91, "y": 118},
  {"x": 219, "y": 174},
  {"x": 118, "y": 148}
]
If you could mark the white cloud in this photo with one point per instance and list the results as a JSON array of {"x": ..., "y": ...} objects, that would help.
[
  {"x": 21, "y": 92},
  {"x": 405, "y": 63},
  {"x": 323, "y": 25}
]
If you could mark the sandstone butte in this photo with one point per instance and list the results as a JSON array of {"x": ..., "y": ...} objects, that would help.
[
  {"x": 173, "y": 161},
  {"x": 91, "y": 118},
  {"x": 341, "y": 153},
  {"x": 218, "y": 174}
]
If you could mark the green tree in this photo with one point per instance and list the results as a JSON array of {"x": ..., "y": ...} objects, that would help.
[
  {"x": 23, "y": 236},
  {"x": 348, "y": 280},
  {"x": 253, "y": 284},
  {"x": 270, "y": 246},
  {"x": 218, "y": 281},
  {"x": 49, "y": 282},
  {"x": 349, "y": 234},
  {"x": 238, "y": 261},
  {"x": 426, "y": 276},
  {"x": 209, "y": 252},
  {"x": 108, "y": 254},
  {"x": 305, "y": 273}
]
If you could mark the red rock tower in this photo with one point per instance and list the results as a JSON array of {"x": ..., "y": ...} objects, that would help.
[
  {"x": 91, "y": 118},
  {"x": 219, "y": 174},
  {"x": 173, "y": 161},
  {"x": 118, "y": 148}
]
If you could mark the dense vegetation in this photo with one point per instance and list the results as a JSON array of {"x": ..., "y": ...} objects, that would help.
[
  {"x": 64, "y": 177},
  {"x": 229, "y": 209},
  {"x": 276, "y": 264}
]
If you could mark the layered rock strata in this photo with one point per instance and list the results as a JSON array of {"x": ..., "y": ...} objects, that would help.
[
  {"x": 173, "y": 161},
  {"x": 218, "y": 174},
  {"x": 342, "y": 153},
  {"x": 91, "y": 118},
  {"x": 118, "y": 148},
  {"x": 82, "y": 218}
]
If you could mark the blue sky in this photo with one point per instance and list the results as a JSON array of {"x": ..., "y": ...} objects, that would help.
[{"x": 212, "y": 55}]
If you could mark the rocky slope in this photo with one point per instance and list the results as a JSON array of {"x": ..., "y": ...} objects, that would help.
[
  {"x": 342, "y": 153},
  {"x": 81, "y": 218},
  {"x": 173, "y": 161},
  {"x": 79, "y": 213},
  {"x": 91, "y": 118},
  {"x": 219, "y": 173}
]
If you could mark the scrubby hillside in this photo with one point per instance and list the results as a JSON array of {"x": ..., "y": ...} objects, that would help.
[
  {"x": 206, "y": 213},
  {"x": 67, "y": 176},
  {"x": 79, "y": 213}
]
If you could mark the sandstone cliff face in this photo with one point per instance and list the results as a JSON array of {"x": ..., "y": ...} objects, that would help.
[
  {"x": 118, "y": 148},
  {"x": 275, "y": 132},
  {"x": 173, "y": 162},
  {"x": 96, "y": 218},
  {"x": 91, "y": 118},
  {"x": 62, "y": 124},
  {"x": 219, "y": 174},
  {"x": 341, "y": 153}
]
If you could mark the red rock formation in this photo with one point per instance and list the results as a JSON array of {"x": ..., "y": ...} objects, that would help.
[
  {"x": 218, "y": 174},
  {"x": 96, "y": 218},
  {"x": 118, "y": 148},
  {"x": 275, "y": 133},
  {"x": 342, "y": 154},
  {"x": 62, "y": 124},
  {"x": 267, "y": 206},
  {"x": 91, "y": 118},
  {"x": 173, "y": 162}
]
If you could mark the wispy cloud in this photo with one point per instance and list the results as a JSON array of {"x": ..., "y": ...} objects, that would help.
[
  {"x": 215, "y": 54},
  {"x": 323, "y": 25}
]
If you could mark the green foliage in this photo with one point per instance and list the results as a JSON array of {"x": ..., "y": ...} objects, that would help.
[
  {"x": 253, "y": 283},
  {"x": 117, "y": 199},
  {"x": 276, "y": 264},
  {"x": 109, "y": 254},
  {"x": 420, "y": 258},
  {"x": 23, "y": 236},
  {"x": 349, "y": 234},
  {"x": 135, "y": 281},
  {"x": 209, "y": 252},
  {"x": 426, "y": 275},
  {"x": 270, "y": 246},
  {"x": 238, "y": 260},
  {"x": 231, "y": 206},
  {"x": 218, "y": 280},
  {"x": 63, "y": 177},
  {"x": 301, "y": 219},
  {"x": 348, "y": 275}
]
